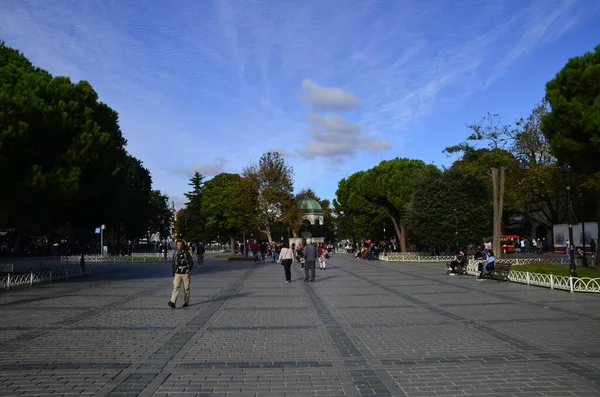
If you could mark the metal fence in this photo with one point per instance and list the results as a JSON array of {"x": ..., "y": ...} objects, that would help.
[
  {"x": 568, "y": 283},
  {"x": 31, "y": 278},
  {"x": 413, "y": 257},
  {"x": 135, "y": 257}
]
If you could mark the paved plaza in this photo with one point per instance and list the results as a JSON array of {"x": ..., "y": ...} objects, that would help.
[{"x": 362, "y": 329}]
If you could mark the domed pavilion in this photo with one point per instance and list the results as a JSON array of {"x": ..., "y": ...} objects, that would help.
[{"x": 312, "y": 220}]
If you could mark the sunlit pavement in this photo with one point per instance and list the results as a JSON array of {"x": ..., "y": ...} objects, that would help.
[{"x": 362, "y": 329}]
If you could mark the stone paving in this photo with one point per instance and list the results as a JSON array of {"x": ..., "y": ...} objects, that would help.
[{"x": 362, "y": 329}]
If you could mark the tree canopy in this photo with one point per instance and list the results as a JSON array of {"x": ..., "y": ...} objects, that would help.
[
  {"x": 63, "y": 157},
  {"x": 572, "y": 126},
  {"x": 272, "y": 180},
  {"x": 449, "y": 208}
]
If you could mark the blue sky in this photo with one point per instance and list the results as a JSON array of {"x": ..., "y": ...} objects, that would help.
[{"x": 336, "y": 86}]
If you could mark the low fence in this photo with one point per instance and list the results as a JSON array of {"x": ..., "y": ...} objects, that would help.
[
  {"x": 6, "y": 268},
  {"x": 567, "y": 283},
  {"x": 135, "y": 257},
  {"x": 413, "y": 257},
  {"x": 32, "y": 278}
]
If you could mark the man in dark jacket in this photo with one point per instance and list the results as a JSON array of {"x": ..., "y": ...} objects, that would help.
[
  {"x": 310, "y": 257},
  {"x": 182, "y": 263}
]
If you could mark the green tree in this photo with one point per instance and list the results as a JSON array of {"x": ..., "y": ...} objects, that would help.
[
  {"x": 449, "y": 208},
  {"x": 356, "y": 215},
  {"x": 192, "y": 219},
  {"x": 242, "y": 208},
  {"x": 273, "y": 182},
  {"x": 218, "y": 194},
  {"x": 496, "y": 159},
  {"x": 160, "y": 216},
  {"x": 542, "y": 188},
  {"x": 389, "y": 187},
  {"x": 573, "y": 125},
  {"x": 58, "y": 143}
]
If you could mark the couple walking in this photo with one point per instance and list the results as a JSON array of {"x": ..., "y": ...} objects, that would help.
[{"x": 309, "y": 257}]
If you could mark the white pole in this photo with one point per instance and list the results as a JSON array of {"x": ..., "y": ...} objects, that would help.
[{"x": 102, "y": 240}]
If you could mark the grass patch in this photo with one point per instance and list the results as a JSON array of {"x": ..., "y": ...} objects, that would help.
[{"x": 557, "y": 270}]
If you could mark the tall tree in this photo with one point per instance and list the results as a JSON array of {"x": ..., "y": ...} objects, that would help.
[
  {"x": 273, "y": 180},
  {"x": 192, "y": 222},
  {"x": 57, "y": 141},
  {"x": 160, "y": 216},
  {"x": 218, "y": 193},
  {"x": 542, "y": 200},
  {"x": 497, "y": 136},
  {"x": 242, "y": 208},
  {"x": 357, "y": 215},
  {"x": 389, "y": 187},
  {"x": 449, "y": 208},
  {"x": 573, "y": 125}
]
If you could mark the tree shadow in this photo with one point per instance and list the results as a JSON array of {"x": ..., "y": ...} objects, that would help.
[{"x": 221, "y": 298}]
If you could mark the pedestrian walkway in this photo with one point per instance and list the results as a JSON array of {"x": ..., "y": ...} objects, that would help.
[{"x": 362, "y": 329}]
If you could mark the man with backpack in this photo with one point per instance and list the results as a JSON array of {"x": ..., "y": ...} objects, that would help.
[{"x": 182, "y": 263}]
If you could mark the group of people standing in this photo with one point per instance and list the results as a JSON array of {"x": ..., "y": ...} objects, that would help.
[{"x": 306, "y": 255}]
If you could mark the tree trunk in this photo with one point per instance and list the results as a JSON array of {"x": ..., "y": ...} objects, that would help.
[
  {"x": 232, "y": 243},
  {"x": 400, "y": 233},
  {"x": 267, "y": 231},
  {"x": 498, "y": 197},
  {"x": 403, "y": 238}
]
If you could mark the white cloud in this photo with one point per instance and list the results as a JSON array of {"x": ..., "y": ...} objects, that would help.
[
  {"x": 332, "y": 135},
  {"x": 327, "y": 98},
  {"x": 208, "y": 169}
]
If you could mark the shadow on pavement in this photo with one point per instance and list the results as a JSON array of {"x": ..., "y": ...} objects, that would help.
[{"x": 221, "y": 298}]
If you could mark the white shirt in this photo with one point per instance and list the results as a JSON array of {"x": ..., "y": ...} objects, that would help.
[{"x": 286, "y": 253}]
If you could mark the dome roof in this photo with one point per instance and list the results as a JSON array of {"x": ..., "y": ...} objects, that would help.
[{"x": 310, "y": 206}]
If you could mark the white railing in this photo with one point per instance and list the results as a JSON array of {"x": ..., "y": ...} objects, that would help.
[
  {"x": 31, "y": 278},
  {"x": 568, "y": 283},
  {"x": 136, "y": 257},
  {"x": 6, "y": 268},
  {"x": 412, "y": 257}
]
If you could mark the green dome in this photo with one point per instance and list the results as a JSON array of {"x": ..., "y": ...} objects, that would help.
[{"x": 309, "y": 205}]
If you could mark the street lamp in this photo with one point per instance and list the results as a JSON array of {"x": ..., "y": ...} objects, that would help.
[
  {"x": 456, "y": 224},
  {"x": 384, "y": 230},
  {"x": 573, "y": 269},
  {"x": 102, "y": 239}
]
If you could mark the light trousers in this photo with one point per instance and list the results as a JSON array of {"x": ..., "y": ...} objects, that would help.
[{"x": 177, "y": 279}]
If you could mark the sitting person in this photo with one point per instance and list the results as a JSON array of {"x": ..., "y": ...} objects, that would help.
[
  {"x": 488, "y": 265},
  {"x": 460, "y": 261}
]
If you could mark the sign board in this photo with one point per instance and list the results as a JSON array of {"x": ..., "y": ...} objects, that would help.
[
  {"x": 97, "y": 230},
  {"x": 561, "y": 235}
]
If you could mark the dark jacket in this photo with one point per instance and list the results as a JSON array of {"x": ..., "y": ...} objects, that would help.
[{"x": 188, "y": 262}]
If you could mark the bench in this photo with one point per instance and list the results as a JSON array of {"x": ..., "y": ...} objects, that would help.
[{"x": 501, "y": 271}]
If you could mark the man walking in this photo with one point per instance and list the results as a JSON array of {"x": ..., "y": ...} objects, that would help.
[
  {"x": 183, "y": 262},
  {"x": 310, "y": 257},
  {"x": 200, "y": 252}
]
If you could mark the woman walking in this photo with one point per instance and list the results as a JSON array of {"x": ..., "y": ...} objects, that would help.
[
  {"x": 287, "y": 258},
  {"x": 323, "y": 256}
]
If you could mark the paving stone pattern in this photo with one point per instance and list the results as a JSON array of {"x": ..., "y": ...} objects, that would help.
[{"x": 362, "y": 329}]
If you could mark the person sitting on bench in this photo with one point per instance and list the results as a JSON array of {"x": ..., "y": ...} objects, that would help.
[
  {"x": 460, "y": 261},
  {"x": 488, "y": 265}
]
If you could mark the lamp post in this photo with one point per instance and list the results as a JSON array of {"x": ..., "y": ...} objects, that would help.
[
  {"x": 456, "y": 225},
  {"x": 102, "y": 239},
  {"x": 573, "y": 269}
]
